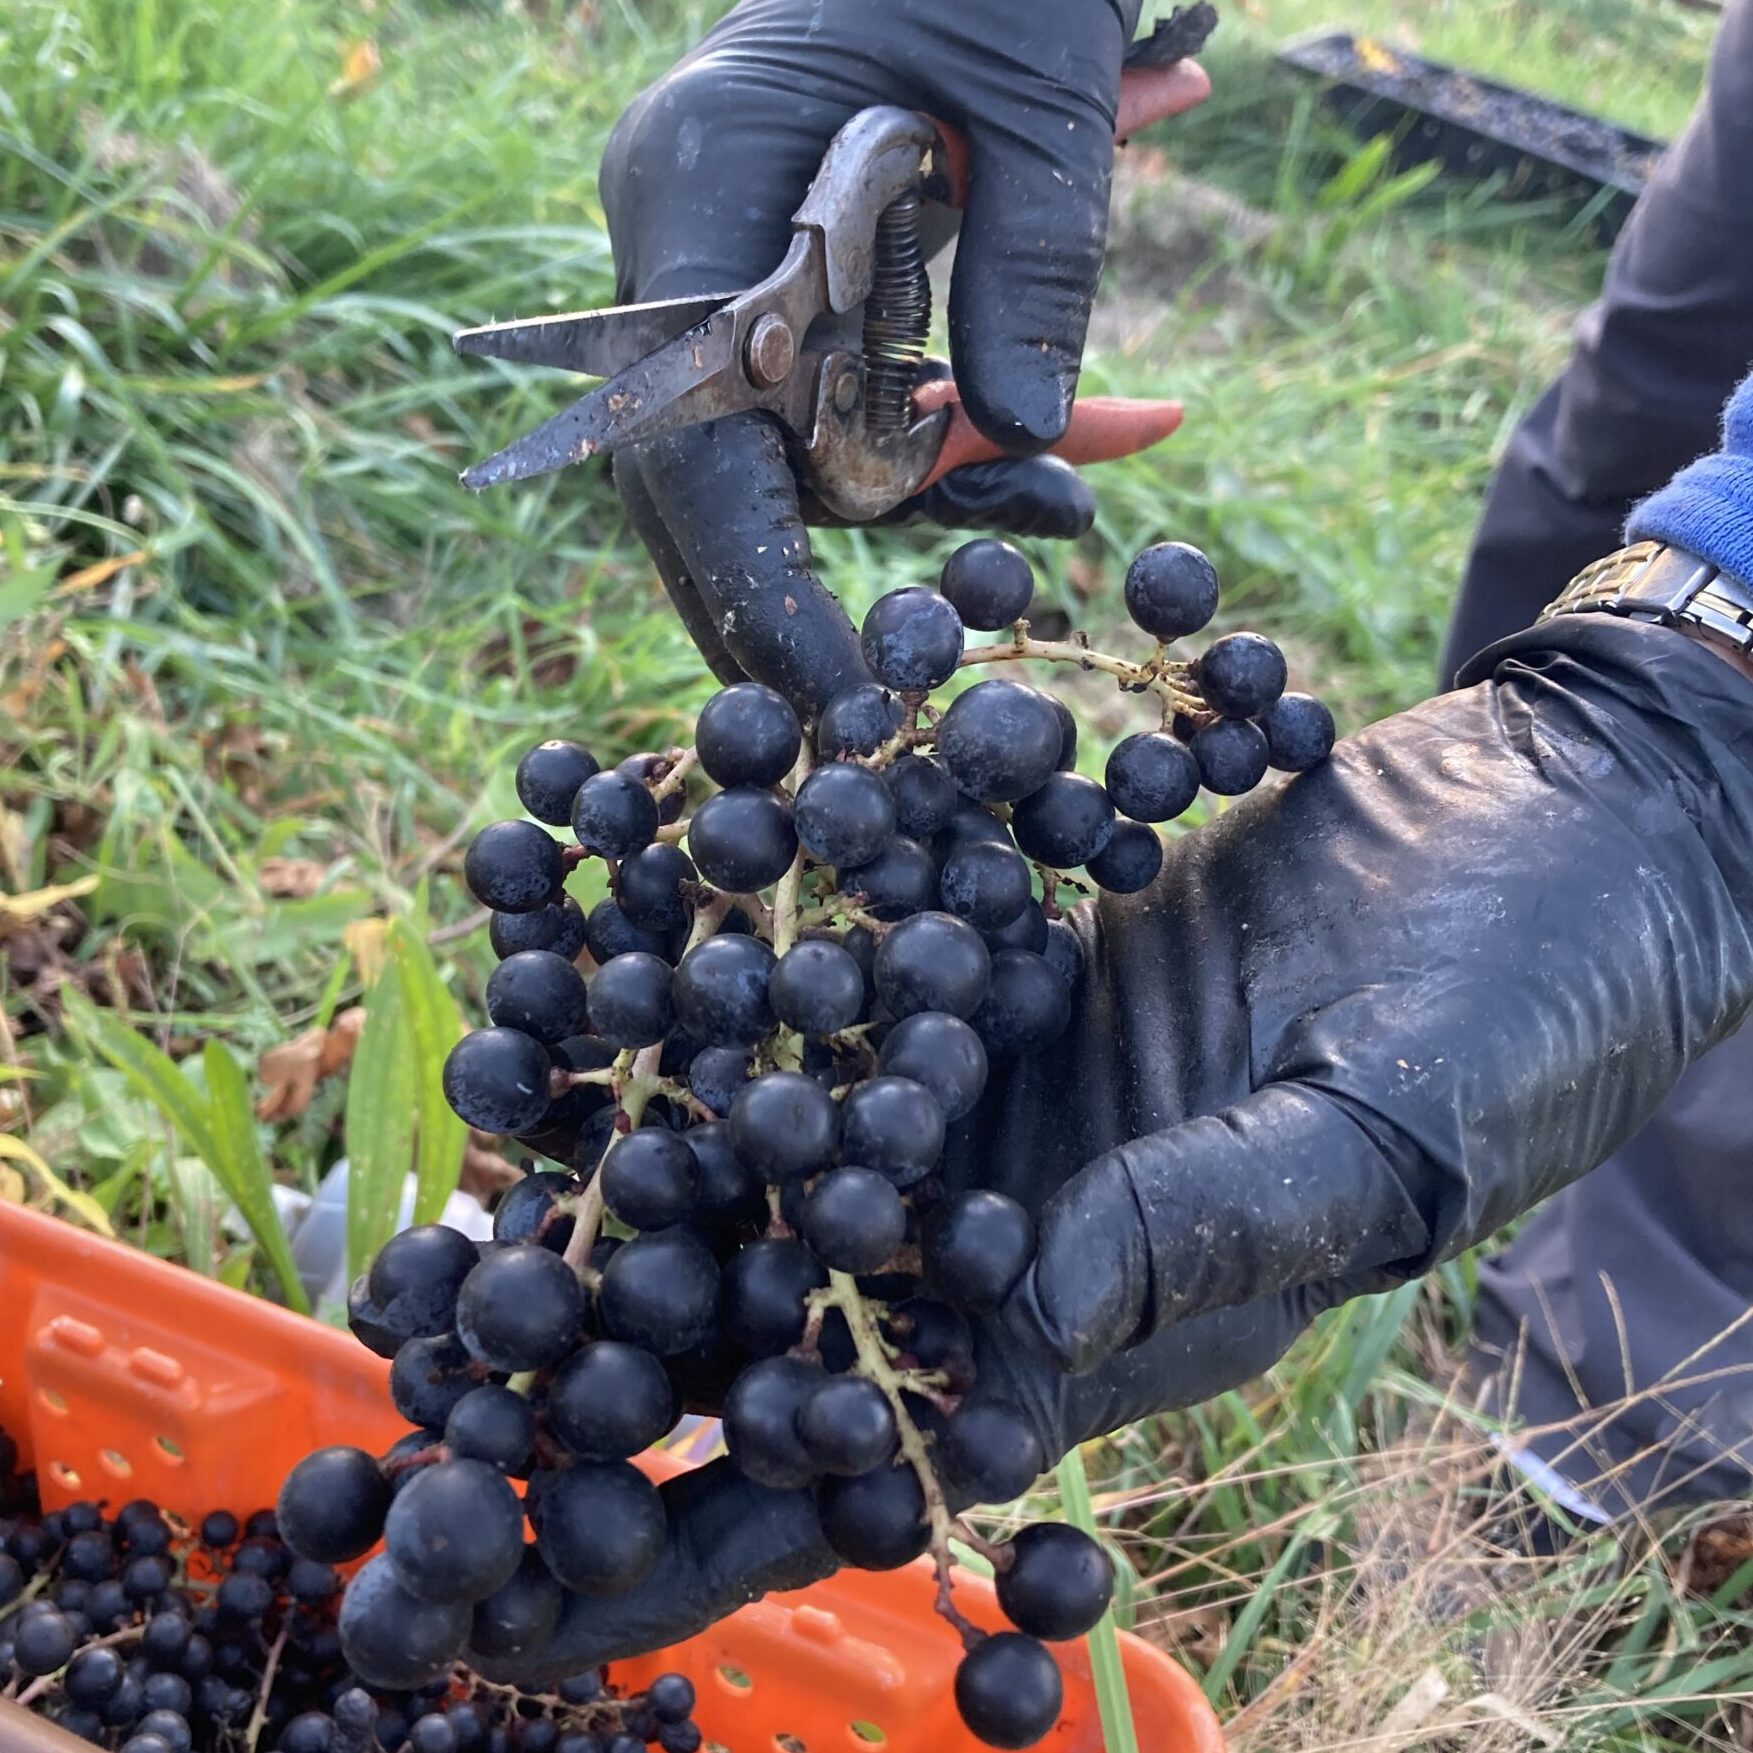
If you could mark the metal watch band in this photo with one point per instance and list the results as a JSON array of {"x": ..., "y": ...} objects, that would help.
[{"x": 1650, "y": 581}]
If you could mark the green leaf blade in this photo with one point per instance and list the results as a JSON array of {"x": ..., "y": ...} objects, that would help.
[
  {"x": 433, "y": 1025},
  {"x": 380, "y": 1121}
]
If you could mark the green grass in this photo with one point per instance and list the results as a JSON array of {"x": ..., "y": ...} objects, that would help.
[{"x": 248, "y": 617}]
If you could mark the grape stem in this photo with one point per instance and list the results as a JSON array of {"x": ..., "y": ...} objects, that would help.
[
  {"x": 259, "y": 1715},
  {"x": 637, "y": 1083},
  {"x": 1159, "y": 676},
  {"x": 45, "y": 1682},
  {"x": 684, "y": 761},
  {"x": 876, "y": 1363}
]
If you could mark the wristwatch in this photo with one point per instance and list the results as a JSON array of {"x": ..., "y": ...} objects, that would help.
[{"x": 1651, "y": 581}]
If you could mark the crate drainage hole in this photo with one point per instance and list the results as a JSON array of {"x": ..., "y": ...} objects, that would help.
[
  {"x": 52, "y": 1402},
  {"x": 115, "y": 1464},
  {"x": 169, "y": 1450},
  {"x": 734, "y": 1679},
  {"x": 62, "y": 1474},
  {"x": 868, "y": 1733},
  {"x": 789, "y": 1744}
]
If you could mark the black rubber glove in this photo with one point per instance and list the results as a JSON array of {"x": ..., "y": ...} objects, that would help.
[
  {"x": 1359, "y": 1022},
  {"x": 699, "y": 183}
]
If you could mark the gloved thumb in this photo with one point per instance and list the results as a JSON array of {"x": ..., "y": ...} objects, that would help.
[{"x": 1295, "y": 1186}]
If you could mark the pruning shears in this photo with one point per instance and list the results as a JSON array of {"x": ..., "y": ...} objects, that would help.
[{"x": 829, "y": 343}]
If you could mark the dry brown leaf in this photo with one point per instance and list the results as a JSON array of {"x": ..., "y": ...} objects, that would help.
[
  {"x": 291, "y": 1072},
  {"x": 359, "y": 66},
  {"x": 291, "y": 879},
  {"x": 89, "y": 577}
]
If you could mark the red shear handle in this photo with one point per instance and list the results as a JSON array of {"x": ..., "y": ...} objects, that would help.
[
  {"x": 1147, "y": 94},
  {"x": 1102, "y": 428}
]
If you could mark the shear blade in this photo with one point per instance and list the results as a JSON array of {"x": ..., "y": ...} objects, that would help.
[
  {"x": 594, "y": 343},
  {"x": 683, "y": 383}
]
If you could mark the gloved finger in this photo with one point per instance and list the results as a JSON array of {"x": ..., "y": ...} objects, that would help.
[
  {"x": 1034, "y": 227},
  {"x": 727, "y": 499},
  {"x": 683, "y": 594},
  {"x": 729, "y": 1542},
  {"x": 1292, "y": 1186},
  {"x": 1019, "y": 496}
]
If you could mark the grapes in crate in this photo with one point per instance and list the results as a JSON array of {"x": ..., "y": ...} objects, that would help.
[
  {"x": 821, "y": 947},
  {"x": 136, "y": 1633}
]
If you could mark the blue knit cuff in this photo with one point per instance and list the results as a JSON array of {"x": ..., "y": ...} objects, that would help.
[{"x": 1708, "y": 507}]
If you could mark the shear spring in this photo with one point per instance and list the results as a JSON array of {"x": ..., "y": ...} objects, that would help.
[{"x": 897, "y": 317}]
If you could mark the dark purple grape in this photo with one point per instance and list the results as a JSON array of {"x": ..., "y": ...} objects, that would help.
[
  {"x": 548, "y": 778},
  {"x": 989, "y": 583},
  {"x": 747, "y": 734},
  {"x": 1241, "y": 674},
  {"x": 784, "y": 1125},
  {"x": 857, "y": 722},
  {"x": 1232, "y": 754},
  {"x": 660, "y": 1292},
  {"x": 671, "y": 1698},
  {"x": 743, "y": 839},
  {"x": 496, "y": 1080},
  {"x": 912, "y": 639},
  {"x": 1067, "y": 735},
  {"x": 614, "y": 815},
  {"x": 1065, "y": 823},
  {"x": 427, "y": 1379},
  {"x": 847, "y": 1426},
  {"x": 817, "y": 988},
  {"x": 332, "y": 1505},
  {"x": 514, "y": 867},
  {"x": 900, "y": 880},
  {"x": 651, "y": 770},
  {"x": 943, "y": 1053},
  {"x": 522, "y": 1308},
  {"x": 715, "y": 1074},
  {"x": 393, "y": 1638},
  {"x": 415, "y": 1279},
  {"x": 853, "y": 1220},
  {"x": 876, "y": 1520},
  {"x": 730, "y": 1191},
  {"x": 649, "y": 887},
  {"x": 976, "y": 1247},
  {"x": 1058, "y": 1583},
  {"x": 1152, "y": 777},
  {"x": 456, "y": 1533},
  {"x": 760, "y": 1422},
  {"x": 1171, "y": 590},
  {"x": 845, "y": 814},
  {"x": 559, "y": 927},
  {"x": 630, "y": 1000},
  {"x": 1130, "y": 861},
  {"x": 519, "y": 1617},
  {"x": 892, "y": 1125},
  {"x": 492, "y": 1424},
  {"x": 765, "y": 1287},
  {"x": 540, "y": 994},
  {"x": 1027, "y": 1007},
  {"x": 1028, "y": 931},
  {"x": 526, "y": 1206},
  {"x": 721, "y": 993},
  {"x": 924, "y": 794},
  {"x": 1064, "y": 952},
  {"x": 1000, "y": 740},
  {"x": 991, "y": 1451},
  {"x": 932, "y": 961},
  {"x": 1009, "y": 1690},
  {"x": 609, "y": 1402},
  {"x": 609, "y": 933},
  {"x": 649, "y": 1179},
  {"x": 600, "y": 1526},
  {"x": 985, "y": 883},
  {"x": 1299, "y": 732}
]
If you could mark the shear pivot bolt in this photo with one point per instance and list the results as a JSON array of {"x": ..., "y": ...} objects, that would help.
[
  {"x": 771, "y": 351},
  {"x": 846, "y": 391}
]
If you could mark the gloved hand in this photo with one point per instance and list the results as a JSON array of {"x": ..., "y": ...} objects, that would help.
[
  {"x": 1359, "y": 1022},
  {"x": 699, "y": 183}
]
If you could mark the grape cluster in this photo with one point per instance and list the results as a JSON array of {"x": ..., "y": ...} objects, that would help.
[
  {"x": 135, "y": 1633},
  {"x": 799, "y": 985}
]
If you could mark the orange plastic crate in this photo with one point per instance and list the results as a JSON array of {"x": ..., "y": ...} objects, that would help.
[{"x": 122, "y": 1377}]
